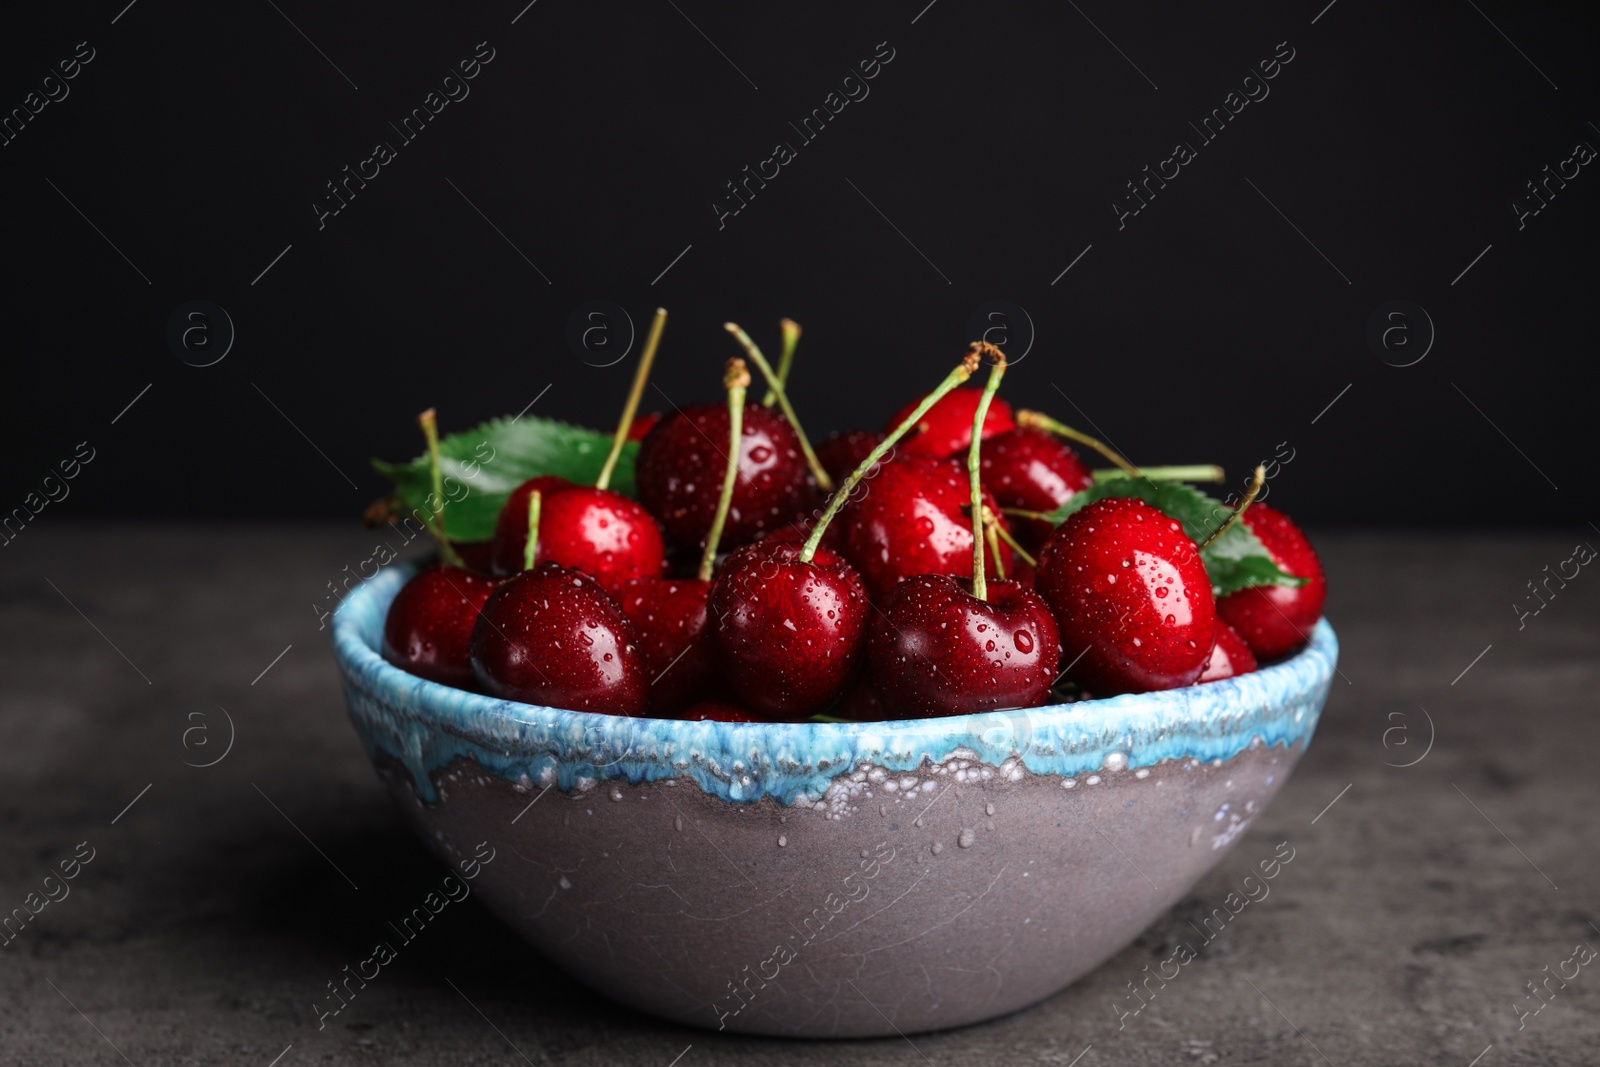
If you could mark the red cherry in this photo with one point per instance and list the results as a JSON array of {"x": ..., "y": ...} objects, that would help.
[
  {"x": 511, "y": 527},
  {"x": 789, "y": 633},
  {"x": 842, "y": 453},
  {"x": 603, "y": 534},
  {"x": 946, "y": 428},
  {"x": 428, "y": 629},
  {"x": 1275, "y": 620},
  {"x": 681, "y": 464},
  {"x": 552, "y": 636},
  {"x": 1131, "y": 597},
  {"x": 643, "y": 425},
  {"x": 912, "y": 519},
  {"x": 717, "y": 711},
  {"x": 938, "y": 650},
  {"x": 1230, "y": 656},
  {"x": 669, "y": 619},
  {"x": 1035, "y": 471}
]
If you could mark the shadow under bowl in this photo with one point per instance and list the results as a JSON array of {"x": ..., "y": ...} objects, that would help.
[{"x": 830, "y": 879}]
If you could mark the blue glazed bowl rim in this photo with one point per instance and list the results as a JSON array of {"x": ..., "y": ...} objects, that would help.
[{"x": 427, "y": 726}]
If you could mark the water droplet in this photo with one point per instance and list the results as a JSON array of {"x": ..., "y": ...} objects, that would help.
[
  {"x": 937, "y": 847},
  {"x": 1024, "y": 641},
  {"x": 966, "y": 838},
  {"x": 1161, "y": 591},
  {"x": 988, "y": 809}
]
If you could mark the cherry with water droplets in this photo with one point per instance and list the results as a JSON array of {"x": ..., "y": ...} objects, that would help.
[
  {"x": 1230, "y": 656},
  {"x": 913, "y": 520},
  {"x": 669, "y": 618},
  {"x": 1035, "y": 471},
  {"x": 937, "y": 649},
  {"x": 508, "y": 549},
  {"x": 551, "y": 636},
  {"x": 428, "y": 629},
  {"x": 681, "y": 462},
  {"x": 1131, "y": 598},
  {"x": 788, "y": 631},
  {"x": 1276, "y": 620},
  {"x": 843, "y": 452},
  {"x": 946, "y": 428}
]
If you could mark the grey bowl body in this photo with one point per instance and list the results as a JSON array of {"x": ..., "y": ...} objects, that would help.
[{"x": 831, "y": 880}]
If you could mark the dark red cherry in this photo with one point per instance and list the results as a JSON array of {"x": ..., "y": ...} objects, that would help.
[
  {"x": 1230, "y": 656},
  {"x": 938, "y": 650},
  {"x": 789, "y": 634},
  {"x": 1275, "y": 620},
  {"x": 1131, "y": 597},
  {"x": 601, "y": 533},
  {"x": 428, "y": 630},
  {"x": 717, "y": 711},
  {"x": 551, "y": 636},
  {"x": 669, "y": 620},
  {"x": 946, "y": 428},
  {"x": 1035, "y": 471},
  {"x": 642, "y": 426},
  {"x": 597, "y": 531},
  {"x": 912, "y": 519},
  {"x": 511, "y": 528},
  {"x": 842, "y": 453},
  {"x": 681, "y": 464}
]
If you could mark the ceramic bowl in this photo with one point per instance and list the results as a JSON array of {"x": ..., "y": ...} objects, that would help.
[{"x": 822, "y": 879}]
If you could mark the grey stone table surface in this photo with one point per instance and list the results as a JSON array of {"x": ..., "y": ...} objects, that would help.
[{"x": 1422, "y": 900}]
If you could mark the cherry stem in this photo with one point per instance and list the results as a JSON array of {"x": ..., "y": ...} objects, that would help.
[
  {"x": 1038, "y": 420},
  {"x": 640, "y": 375},
  {"x": 990, "y": 534},
  {"x": 1257, "y": 480},
  {"x": 530, "y": 547},
  {"x": 735, "y": 379},
  {"x": 997, "y": 370},
  {"x": 429, "y": 422},
  {"x": 1199, "y": 472},
  {"x": 996, "y": 527},
  {"x": 776, "y": 385},
  {"x": 1026, "y": 514},
  {"x": 791, "y": 338},
  {"x": 962, "y": 372}
]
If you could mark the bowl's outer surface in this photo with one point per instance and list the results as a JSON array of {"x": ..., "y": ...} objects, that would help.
[{"x": 831, "y": 880}]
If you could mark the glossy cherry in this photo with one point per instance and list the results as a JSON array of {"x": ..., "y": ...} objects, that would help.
[
  {"x": 1230, "y": 656},
  {"x": 1035, "y": 471},
  {"x": 937, "y": 649},
  {"x": 946, "y": 428},
  {"x": 789, "y": 633},
  {"x": 428, "y": 630},
  {"x": 669, "y": 619},
  {"x": 1131, "y": 598},
  {"x": 506, "y": 554},
  {"x": 597, "y": 531},
  {"x": 1275, "y": 620},
  {"x": 912, "y": 519},
  {"x": 552, "y": 636},
  {"x": 681, "y": 462},
  {"x": 842, "y": 453}
]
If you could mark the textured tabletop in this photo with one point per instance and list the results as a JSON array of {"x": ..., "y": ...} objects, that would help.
[{"x": 213, "y": 891}]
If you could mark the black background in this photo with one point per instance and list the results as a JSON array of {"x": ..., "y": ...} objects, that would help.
[{"x": 995, "y": 142}]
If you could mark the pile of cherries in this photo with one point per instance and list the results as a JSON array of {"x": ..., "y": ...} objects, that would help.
[{"x": 899, "y": 574}]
